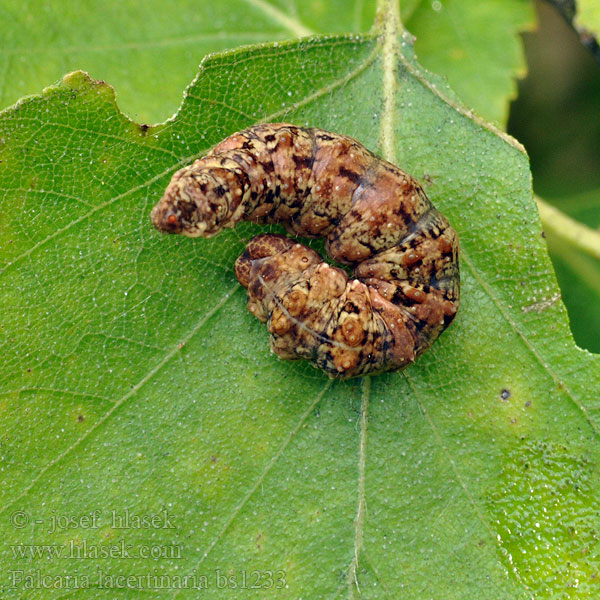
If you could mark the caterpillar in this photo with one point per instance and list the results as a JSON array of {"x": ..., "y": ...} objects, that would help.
[{"x": 377, "y": 219}]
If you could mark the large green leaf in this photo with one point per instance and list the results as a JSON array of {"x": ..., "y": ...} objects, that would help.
[
  {"x": 150, "y": 56},
  {"x": 134, "y": 378}
]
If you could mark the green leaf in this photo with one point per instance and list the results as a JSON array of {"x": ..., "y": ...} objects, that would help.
[
  {"x": 476, "y": 45},
  {"x": 135, "y": 379},
  {"x": 151, "y": 57},
  {"x": 149, "y": 52}
]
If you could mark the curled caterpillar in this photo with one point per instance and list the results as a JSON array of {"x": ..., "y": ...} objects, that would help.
[{"x": 376, "y": 218}]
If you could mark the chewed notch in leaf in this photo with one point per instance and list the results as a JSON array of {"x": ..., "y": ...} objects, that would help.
[{"x": 376, "y": 218}]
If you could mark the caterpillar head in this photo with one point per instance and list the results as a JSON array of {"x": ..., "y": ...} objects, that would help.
[{"x": 199, "y": 201}]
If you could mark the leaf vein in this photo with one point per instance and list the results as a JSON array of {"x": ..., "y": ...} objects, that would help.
[
  {"x": 506, "y": 314},
  {"x": 175, "y": 350},
  {"x": 236, "y": 511},
  {"x": 359, "y": 520},
  {"x": 293, "y": 25},
  {"x": 454, "y": 467}
]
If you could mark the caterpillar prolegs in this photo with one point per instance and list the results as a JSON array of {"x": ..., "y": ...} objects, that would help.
[{"x": 375, "y": 217}]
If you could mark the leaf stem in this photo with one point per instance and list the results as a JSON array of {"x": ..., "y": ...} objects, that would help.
[
  {"x": 577, "y": 234},
  {"x": 388, "y": 15},
  {"x": 385, "y": 11}
]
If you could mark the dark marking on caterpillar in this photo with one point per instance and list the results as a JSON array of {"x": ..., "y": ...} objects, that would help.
[
  {"x": 375, "y": 217},
  {"x": 351, "y": 175}
]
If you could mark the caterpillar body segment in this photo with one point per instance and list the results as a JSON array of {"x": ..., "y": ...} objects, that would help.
[{"x": 375, "y": 218}]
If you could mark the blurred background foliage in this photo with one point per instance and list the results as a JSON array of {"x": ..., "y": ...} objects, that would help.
[{"x": 556, "y": 116}]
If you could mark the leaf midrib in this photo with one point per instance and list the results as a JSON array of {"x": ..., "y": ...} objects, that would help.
[{"x": 391, "y": 54}]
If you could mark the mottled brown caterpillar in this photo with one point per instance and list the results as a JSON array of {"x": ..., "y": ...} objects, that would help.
[{"x": 376, "y": 218}]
